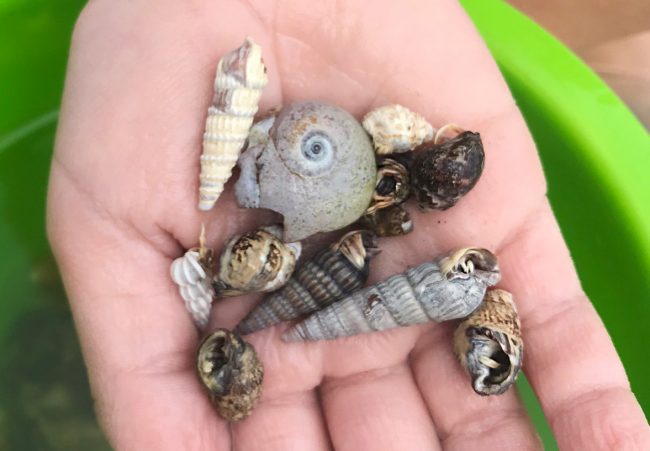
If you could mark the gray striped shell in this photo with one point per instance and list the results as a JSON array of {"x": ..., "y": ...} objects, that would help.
[
  {"x": 449, "y": 288},
  {"x": 488, "y": 344},
  {"x": 333, "y": 273},
  {"x": 258, "y": 261}
]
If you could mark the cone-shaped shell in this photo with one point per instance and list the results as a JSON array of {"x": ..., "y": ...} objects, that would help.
[
  {"x": 232, "y": 373},
  {"x": 331, "y": 274},
  {"x": 489, "y": 345},
  {"x": 192, "y": 273},
  {"x": 241, "y": 76},
  {"x": 395, "y": 129},
  {"x": 437, "y": 291}
]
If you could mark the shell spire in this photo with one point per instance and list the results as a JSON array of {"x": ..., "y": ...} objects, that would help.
[
  {"x": 331, "y": 274},
  {"x": 489, "y": 345},
  {"x": 241, "y": 77},
  {"x": 435, "y": 291}
]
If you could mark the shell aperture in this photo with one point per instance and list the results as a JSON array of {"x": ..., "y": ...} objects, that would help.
[{"x": 317, "y": 169}]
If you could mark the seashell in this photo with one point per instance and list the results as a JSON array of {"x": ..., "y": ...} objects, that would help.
[
  {"x": 255, "y": 261},
  {"x": 442, "y": 174},
  {"x": 449, "y": 288},
  {"x": 392, "y": 187},
  {"x": 488, "y": 344},
  {"x": 331, "y": 274},
  {"x": 238, "y": 85},
  {"x": 317, "y": 168},
  {"x": 391, "y": 221},
  {"x": 192, "y": 273},
  {"x": 232, "y": 372},
  {"x": 396, "y": 129}
]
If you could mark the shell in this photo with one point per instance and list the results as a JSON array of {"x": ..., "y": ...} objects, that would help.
[
  {"x": 317, "y": 168},
  {"x": 193, "y": 273},
  {"x": 442, "y": 174},
  {"x": 232, "y": 373},
  {"x": 393, "y": 185},
  {"x": 391, "y": 221},
  {"x": 238, "y": 85},
  {"x": 395, "y": 129},
  {"x": 437, "y": 291},
  {"x": 331, "y": 274},
  {"x": 489, "y": 345},
  {"x": 255, "y": 261}
]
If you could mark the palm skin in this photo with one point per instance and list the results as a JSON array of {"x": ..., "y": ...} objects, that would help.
[{"x": 122, "y": 205}]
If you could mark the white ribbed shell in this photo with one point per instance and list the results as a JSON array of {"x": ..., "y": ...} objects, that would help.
[
  {"x": 194, "y": 285},
  {"x": 241, "y": 76},
  {"x": 396, "y": 129}
]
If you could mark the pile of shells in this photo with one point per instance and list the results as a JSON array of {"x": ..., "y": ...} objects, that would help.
[{"x": 324, "y": 171}]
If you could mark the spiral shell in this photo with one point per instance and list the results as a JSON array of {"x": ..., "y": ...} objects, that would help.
[
  {"x": 393, "y": 185},
  {"x": 333, "y": 273},
  {"x": 438, "y": 291},
  {"x": 317, "y": 168},
  {"x": 238, "y": 85},
  {"x": 396, "y": 129},
  {"x": 488, "y": 344},
  {"x": 442, "y": 174},
  {"x": 232, "y": 373},
  {"x": 192, "y": 273},
  {"x": 391, "y": 221},
  {"x": 255, "y": 261}
]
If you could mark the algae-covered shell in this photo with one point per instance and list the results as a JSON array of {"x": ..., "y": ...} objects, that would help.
[
  {"x": 395, "y": 128},
  {"x": 443, "y": 173},
  {"x": 317, "y": 169},
  {"x": 258, "y": 261},
  {"x": 448, "y": 288},
  {"x": 232, "y": 373},
  {"x": 241, "y": 76},
  {"x": 489, "y": 345},
  {"x": 334, "y": 272}
]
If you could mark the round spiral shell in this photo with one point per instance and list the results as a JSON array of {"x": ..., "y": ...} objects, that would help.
[
  {"x": 488, "y": 344},
  {"x": 258, "y": 261},
  {"x": 241, "y": 76},
  {"x": 396, "y": 129},
  {"x": 232, "y": 373},
  {"x": 331, "y": 274},
  {"x": 192, "y": 273},
  {"x": 437, "y": 291}
]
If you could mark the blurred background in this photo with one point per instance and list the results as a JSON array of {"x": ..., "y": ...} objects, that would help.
[{"x": 595, "y": 154}]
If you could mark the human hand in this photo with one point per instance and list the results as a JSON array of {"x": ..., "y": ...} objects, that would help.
[{"x": 122, "y": 206}]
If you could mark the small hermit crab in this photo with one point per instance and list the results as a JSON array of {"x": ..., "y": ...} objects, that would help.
[{"x": 392, "y": 187}]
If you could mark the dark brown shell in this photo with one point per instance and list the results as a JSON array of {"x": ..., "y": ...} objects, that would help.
[
  {"x": 391, "y": 221},
  {"x": 232, "y": 372},
  {"x": 393, "y": 184},
  {"x": 331, "y": 274},
  {"x": 488, "y": 344},
  {"x": 442, "y": 174}
]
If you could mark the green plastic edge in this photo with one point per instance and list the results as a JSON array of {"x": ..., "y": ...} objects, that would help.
[{"x": 583, "y": 106}]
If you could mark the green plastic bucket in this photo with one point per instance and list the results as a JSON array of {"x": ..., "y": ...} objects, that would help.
[{"x": 595, "y": 155}]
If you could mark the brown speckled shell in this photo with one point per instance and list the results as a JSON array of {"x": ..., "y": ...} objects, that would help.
[
  {"x": 391, "y": 221},
  {"x": 489, "y": 345},
  {"x": 232, "y": 373},
  {"x": 442, "y": 174}
]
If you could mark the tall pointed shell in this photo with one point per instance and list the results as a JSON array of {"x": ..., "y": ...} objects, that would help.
[
  {"x": 192, "y": 274},
  {"x": 333, "y": 273},
  {"x": 238, "y": 85},
  {"x": 231, "y": 371},
  {"x": 420, "y": 294},
  {"x": 258, "y": 261},
  {"x": 488, "y": 344},
  {"x": 395, "y": 129}
]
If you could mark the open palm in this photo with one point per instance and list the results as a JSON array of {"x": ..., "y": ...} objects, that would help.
[{"x": 123, "y": 201}]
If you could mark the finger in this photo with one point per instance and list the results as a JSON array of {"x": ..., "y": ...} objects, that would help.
[
  {"x": 137, "y": 341},
  {"x": 377, "y": 409},
  {"x": 463, "y": 419},
  {"x": 289, "y": 422},
  {"x": 569, "y": 359}
]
